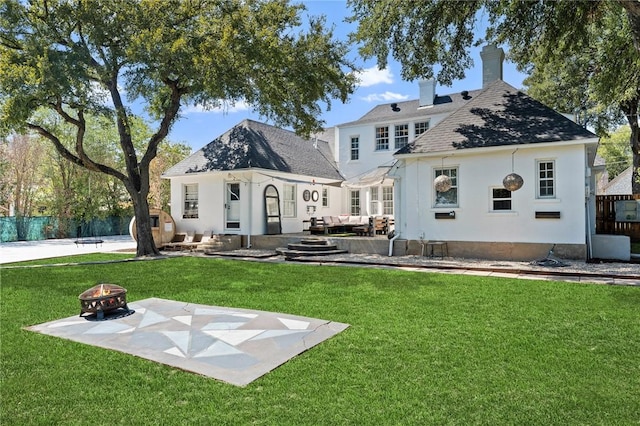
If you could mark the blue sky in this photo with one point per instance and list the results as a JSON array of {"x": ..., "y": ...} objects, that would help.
[{"x": 198, "y": 127}]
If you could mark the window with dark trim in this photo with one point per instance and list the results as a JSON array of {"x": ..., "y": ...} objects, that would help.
[{"x": 500, "y": 199}]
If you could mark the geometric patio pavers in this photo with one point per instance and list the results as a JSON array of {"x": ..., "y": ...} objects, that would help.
[{"x": 232, "y": 345}]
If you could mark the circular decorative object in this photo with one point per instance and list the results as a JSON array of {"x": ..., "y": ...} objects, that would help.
[
  {"x": 513, "y": 182},
  {"x": 306, "y": 195},
  {"x": 442, "y": 183},
  {"x": 315, "y": 196}
]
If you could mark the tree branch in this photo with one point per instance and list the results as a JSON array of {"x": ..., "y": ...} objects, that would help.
[
  {"x": 68, "y": 155},
  {"x": 170, "y": 114}
]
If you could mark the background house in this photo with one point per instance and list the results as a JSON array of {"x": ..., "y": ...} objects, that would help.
[{"x": 620, "y": 185}]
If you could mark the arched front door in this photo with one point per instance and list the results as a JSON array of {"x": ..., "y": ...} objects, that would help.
[{"x": 272, "y": 210}]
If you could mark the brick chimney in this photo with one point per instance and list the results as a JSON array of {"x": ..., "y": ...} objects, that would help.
[
  {"x": 427, "y": 92},
  {"x": 492, "y": 59}
]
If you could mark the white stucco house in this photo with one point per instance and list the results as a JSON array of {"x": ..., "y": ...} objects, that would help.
[
  {"x": 226, "y": 186},
  {"x": 385, "y": 164}
]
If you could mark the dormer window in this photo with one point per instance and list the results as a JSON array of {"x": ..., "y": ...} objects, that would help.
[
  {"x": 401, "y": 135},
  {"x": 382, "y": 138},
  {"x": 420, "y": 128}
]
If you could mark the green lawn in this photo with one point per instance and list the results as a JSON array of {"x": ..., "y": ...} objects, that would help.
[{"x": 423, "y": 348}]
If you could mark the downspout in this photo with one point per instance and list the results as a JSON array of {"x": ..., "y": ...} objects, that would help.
[
  {"x": 589, "y": 243},
  {"x": 250, "y": 211},
  {"x": 395, "y": 237},
  {"x": 589, "y": 184},
  {"x": 396, "y": 209}
]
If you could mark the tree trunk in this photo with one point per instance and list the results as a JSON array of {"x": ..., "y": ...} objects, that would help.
[
  {"x": 635, "y": 171},
  {"x": 146, "y": 246},
  {"x": 630, "y": 109},
  {"x": 633, "y": 13}
]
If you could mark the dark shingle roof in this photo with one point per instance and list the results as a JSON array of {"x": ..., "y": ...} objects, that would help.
[
  {"x": 251, "y": 144},
  {"x": 410, "y": 110},
  {"x": 499, "y": 115}
]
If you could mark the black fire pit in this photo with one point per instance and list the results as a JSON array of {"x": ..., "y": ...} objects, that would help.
[{"x": 103, "y": 298}]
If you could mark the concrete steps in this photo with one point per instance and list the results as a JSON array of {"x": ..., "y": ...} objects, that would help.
[{"x": 309, "y": 247}]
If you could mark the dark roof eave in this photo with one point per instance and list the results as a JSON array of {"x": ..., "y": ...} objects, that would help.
[{"x": 319, "y": 179}]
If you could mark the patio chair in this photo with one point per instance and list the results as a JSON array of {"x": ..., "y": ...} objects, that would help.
[
  {"x": 175, "y": 242},
  {"x": 380, "y": 225}
]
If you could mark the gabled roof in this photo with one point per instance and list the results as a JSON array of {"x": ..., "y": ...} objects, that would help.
[
  {"x": 251, "y": 144},
  {"x": 620, "y": 185},
  {"x": 410, "y": 110},
  {"x": 497, "y": 116}
]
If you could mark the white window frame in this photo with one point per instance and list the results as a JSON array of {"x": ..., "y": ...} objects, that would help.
[
  {"x": 494, "y": 199},
  {"x": 325, "y": 197},
  {"x": 374, "y": 204},
  {"x": 354, "y": 150},
  {"x": 454, "y": 186},
  {"x": 382, "y": 138},
  {"x": 542, "y": 176},
  {"x": 289, "y": 205},
  {"x": 190, "y": 201},
  {"x": 401, "y": 135},
  {"x": 354, "y": 202},
  {"x": 420, "y": 127},
  {"x": 387, "y": 200}
]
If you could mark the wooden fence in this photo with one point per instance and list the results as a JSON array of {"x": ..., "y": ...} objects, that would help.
[{"x": 606, "y": 217}]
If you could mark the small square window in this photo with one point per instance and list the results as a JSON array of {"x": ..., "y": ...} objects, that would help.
[{"x": 500, "y": 199}]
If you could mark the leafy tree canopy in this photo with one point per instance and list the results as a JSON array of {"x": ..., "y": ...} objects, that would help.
[
  {"x": 558, "y": 42},
  {"x": 98, "y": 56},
  {"x": 616, "y": 151},
  {"x": 576, "y": 82}
]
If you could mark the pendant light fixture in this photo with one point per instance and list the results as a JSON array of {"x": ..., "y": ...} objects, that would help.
[
  {"x": 513, "y": 181},
  {"x": 442, "y": 183}
]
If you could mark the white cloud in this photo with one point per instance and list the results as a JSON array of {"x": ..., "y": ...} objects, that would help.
[
  {"x": 372, "y": 76},
  {"x": 386, "y": 96},
  {"x": 225, "y": 108}
]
